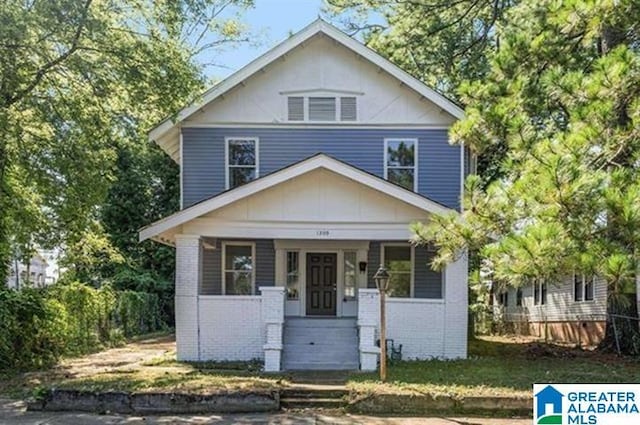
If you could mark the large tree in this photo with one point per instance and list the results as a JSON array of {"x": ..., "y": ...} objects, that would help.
[
  {"x": 563, "y": 98},
  {"x": 80, "y": 83},
  {"x": 439, "y": 42}
]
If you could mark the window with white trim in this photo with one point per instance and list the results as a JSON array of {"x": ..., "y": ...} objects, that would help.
[
  {"x": 519, "y": 297},
  {"x": 241, "y": 160},
  {"x": 239, "y": 266},
  {"x": 583, "y": 287},
  {"x": 400, "y": 161},
  {"x": 293, "y": 275},
  {"x": 350, "y": 275},
  {"x": 398, "y": 260}
]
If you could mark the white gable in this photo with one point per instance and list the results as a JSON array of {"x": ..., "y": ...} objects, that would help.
[
  {"x": 316, "y": 191},
  {"x": 340, "y": 64},
  {"x": 320, "y": 196},
  {"x": 322, "y": 67}
]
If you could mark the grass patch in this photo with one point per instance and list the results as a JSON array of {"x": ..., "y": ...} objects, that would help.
[
  {"x": 497, "y": 366},
  {"x": 172, "y": 380},
  {"x": 134, "y": 369}
]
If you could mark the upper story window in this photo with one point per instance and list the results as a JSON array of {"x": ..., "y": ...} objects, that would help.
[
  {"x": 400, "y": 162},
  {"x": 322, "y": 108},
  {"x": 241, "y": 160},
  {"x": 582, "y": 287}
]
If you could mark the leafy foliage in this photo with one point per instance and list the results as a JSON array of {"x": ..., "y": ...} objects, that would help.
[
  {"x": 563, "y": 102},
  {"x": 37, "y": 326},
  {"x": 82, "y": 82}
]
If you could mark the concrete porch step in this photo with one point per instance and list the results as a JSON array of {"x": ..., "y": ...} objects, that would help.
[
  {"x": 313, "y": 322},
  {"x": 320, "y": 365},
  {"x": 314, "y": 391},
  {"x": 312, "y": 403}
]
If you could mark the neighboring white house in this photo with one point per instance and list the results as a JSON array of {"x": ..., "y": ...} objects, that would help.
[
  {"x": 34, "y": 273},
  {"x": 574, "y": 310},
  {"x": 299, "y": 175}
]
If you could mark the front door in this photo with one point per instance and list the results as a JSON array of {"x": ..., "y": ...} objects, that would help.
[{"x": 321, "y": 284}]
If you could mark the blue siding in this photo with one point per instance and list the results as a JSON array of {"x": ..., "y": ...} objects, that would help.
[
  {"x": 203, "y": 156},
  {"x": 373, "y": 262},
  {"x": 427, "y": 282}
]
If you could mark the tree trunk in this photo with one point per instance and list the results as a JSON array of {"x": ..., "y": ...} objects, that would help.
[{"x": 5, "y": 249}]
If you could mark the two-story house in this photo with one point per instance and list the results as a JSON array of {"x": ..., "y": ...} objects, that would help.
[{"x": 300, "y": 175}]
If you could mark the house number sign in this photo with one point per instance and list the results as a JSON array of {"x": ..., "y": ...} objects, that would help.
[{"x": 322, "y": 233}]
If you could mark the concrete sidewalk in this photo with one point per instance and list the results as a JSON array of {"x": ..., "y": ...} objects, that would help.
[{"x": 14, "y": 412}]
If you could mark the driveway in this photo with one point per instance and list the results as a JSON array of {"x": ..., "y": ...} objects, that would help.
[{"x": 14, "y": 413}]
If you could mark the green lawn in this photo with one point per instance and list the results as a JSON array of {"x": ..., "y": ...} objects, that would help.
[{"x": 499, "y": 366}]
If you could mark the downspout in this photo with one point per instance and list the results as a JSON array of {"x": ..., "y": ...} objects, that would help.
[{"x": 462, "y": 176}]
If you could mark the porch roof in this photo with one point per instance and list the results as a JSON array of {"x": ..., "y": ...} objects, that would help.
[{"x": 169, "y": 224}]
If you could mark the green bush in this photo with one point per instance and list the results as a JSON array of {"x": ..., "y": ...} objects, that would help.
[{"x": 37, "y": 326}]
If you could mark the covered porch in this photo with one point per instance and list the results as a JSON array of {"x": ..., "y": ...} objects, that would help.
[{"x": 256, "y": 264}]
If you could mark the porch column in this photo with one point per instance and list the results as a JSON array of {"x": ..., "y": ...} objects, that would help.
[
  {"x": 188, "y": 260},
  {"x": 456, "y": 307},
  {"x": 368, "y": 318},
  {"x": 272, "y": 321}
]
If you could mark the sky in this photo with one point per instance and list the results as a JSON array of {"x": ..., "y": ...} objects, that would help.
[{"x": 273, "y": 20}]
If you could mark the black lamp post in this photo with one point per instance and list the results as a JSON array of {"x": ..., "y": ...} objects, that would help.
[{"x": 382, "y": 283}]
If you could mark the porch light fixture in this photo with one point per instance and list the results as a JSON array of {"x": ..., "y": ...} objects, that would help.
[
  {"x": 363, "y": 266},
  {"x": 382, "y": 283}
]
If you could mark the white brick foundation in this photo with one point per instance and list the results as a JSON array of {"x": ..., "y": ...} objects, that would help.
[{"x": 426, "y": 328}]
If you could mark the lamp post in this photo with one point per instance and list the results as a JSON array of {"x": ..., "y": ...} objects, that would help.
[{"x": 382, "y": 283}]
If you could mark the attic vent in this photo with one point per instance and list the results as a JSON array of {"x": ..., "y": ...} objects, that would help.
[
  {"x": 296, "y": 108},
  {"x": 348, "y": 109},
  {"x": 322, "y": 109}
]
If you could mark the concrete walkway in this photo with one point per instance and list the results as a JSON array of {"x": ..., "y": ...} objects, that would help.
[{"x": 14, "y": 413}]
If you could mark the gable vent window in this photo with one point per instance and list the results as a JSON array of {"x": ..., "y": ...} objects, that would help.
[
  {"x": 322, "y": 109},
  {"x": 296, "y": 108},
  {"x": 348, "y": 109}
]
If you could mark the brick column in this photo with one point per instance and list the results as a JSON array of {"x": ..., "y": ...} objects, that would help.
[
  {"x": 368, "y": 320},
  {"x": 456, "y": 308},
  {"x": 188, "y": 266},
  {"x": 272, "y": 322}
]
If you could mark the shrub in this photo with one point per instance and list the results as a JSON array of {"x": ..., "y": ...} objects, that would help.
[{"x": 37, "y": 326}]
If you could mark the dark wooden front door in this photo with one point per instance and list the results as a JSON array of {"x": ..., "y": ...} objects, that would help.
[{"x": 321, "y": 284}]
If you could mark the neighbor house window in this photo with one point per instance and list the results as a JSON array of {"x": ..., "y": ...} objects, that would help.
[
  {"x": 239, "y": 266},
  {"x": 519, "y": 297},
  {"x": 293, "y": 275},
  {"x": 242, "y": 161},
  {"x": 350, "y": 275},
  {"x": 398, "y": 261},
  {"x": 582, "y": 287},
  {"x": 539, "y": 292},
  {"x": 400, "y": 162},
  {"x": 504, "y": 299}
]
